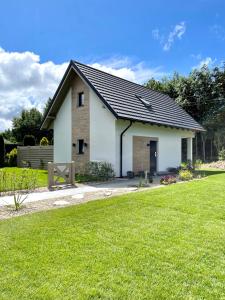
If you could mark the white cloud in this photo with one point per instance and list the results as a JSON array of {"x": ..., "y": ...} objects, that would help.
[
  {"x": 167, "y": 42},
  {"x": 177, "y": 32},
  {"x": 26, "y": 82},
  {"x": 208, "y": 61}
]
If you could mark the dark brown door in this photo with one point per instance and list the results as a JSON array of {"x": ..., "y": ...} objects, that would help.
[{"x": 153, "y": 157}]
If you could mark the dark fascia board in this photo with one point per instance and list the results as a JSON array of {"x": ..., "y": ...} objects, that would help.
[
  {"x": 93, "y": 88},
  {"x": 73, "y": 67},
  {"x": 55, "y": 95},
  {"x": 163, "y": 125}
]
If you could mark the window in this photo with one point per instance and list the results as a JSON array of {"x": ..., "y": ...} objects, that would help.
[
  {"x": 80, "y": 146},
  {"x": 81, "y": 99}
]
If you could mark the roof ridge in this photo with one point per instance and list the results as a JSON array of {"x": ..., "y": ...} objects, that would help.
[{"x": 157, "y": 92}]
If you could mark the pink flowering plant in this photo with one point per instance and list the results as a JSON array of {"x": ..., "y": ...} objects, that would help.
[{"x": 168, "y": 179}]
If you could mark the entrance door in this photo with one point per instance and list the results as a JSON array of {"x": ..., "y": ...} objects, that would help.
[{"x": 153, "y": 157}]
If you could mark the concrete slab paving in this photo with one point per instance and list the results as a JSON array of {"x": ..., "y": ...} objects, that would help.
[{"x": 106, "y": 188}]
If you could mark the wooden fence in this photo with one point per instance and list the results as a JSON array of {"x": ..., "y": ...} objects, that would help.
[
  {"x": 36, "y": 157},
  {"x": 61, "y": 174}
]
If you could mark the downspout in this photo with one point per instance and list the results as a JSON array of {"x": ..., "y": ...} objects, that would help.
[{"x": 121, "y": 148}]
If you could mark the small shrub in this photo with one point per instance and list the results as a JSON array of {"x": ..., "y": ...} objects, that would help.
[
  {"x": 198, "y": 163},
  {"x": 18, "y": 184},
  {"x": 2, "y": 151},
  {"x": 185, "y": 175},
  {"x": 141, "y": 182},
  {"x": 168, "y": 179},
  {"x": 12, "y": 158},
  {"x": 186, "y": 165},
  {"x": 29, "y": 140},
  {"x": 22, "y": 185},
  {"x": 221, "y": 155},
  {"x": 44, "y": 141},
  {"x": 26, "y": 164},
  {"x": 97, "y": 171},
  {"x": 199, "y": 174}
]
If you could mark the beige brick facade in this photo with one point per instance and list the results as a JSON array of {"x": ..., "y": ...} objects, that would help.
[
  {"x": 141, "y": 154},
  {"x": 80, "y": 123}
]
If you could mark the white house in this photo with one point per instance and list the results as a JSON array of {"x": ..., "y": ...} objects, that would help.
[{"x": 100, "y": 117}]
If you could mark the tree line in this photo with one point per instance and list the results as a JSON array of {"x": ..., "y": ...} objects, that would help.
[
  {"x": 202, "y": 94},
  {"x": 27, "y": 124}
]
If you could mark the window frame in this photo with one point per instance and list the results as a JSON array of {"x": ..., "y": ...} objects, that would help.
[
  {"x": 80, "y": 100},
  {"x": 80, "y": 143}
]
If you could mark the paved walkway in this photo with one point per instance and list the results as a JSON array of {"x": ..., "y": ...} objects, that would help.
[{"x": 115, "y": 186}]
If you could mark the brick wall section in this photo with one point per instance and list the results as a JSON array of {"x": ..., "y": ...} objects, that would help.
[
  {"x": 80, "y": 123},
  {"x": 141, "y": 154}
]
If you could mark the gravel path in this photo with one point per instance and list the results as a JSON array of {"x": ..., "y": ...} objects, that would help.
[{"x": 45, "y": 200}]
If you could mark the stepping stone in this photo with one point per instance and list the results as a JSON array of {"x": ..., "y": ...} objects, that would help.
[
  {"x": 107, "y": 193},
  {"x": 78, "y": 196},
  {"x": 133, "y": 188},
  {"x": 61, "y": 202}
]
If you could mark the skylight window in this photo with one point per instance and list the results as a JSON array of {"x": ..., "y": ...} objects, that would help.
[{"x": 144, "y": 101}]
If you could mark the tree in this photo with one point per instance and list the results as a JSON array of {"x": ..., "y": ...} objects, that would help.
[
  {"x": 29, "y": 140},
  {"x": 28, "y": 123},
  {"x": 2, "y": 151},
  {"x": 202, "y": 95},
  {"x": 47, "y": 106}
]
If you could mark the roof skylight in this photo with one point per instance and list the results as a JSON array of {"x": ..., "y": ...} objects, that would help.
[{"x": 144, "y": 101}]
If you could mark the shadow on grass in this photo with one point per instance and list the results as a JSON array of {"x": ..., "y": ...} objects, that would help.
[{"x": 208, "y": 172}]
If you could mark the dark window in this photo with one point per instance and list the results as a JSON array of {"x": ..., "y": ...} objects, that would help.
[
  {"x": 80, "y": 146},
  {"x": 81, "y": 99}
]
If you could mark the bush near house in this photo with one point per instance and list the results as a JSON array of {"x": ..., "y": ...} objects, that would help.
[
  {"x": 198, "y": 164},
  {"x": 44, "y": 141},
  {"x": 186, "y": 165},
  {"x": 96, "y": 171},
  {"x": 185, "y": 175},
  {"x": 168, "y": 179},
  {"x": 12, "y": 158}
]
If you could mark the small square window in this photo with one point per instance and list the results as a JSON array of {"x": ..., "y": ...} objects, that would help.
[
  {"x": 81, "y": 99},
  {"x": 80, "y": 146}
]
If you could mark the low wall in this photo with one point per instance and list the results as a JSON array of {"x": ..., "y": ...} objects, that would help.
[{"x": 36, "y": 157}]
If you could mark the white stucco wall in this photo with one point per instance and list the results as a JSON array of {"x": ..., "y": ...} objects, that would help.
[
  {"x": 105, "y": 137},
  {"x": 169, "y": 144},
  {"x": 102, "y": 132},
  {"x": 63, "y": 131}
]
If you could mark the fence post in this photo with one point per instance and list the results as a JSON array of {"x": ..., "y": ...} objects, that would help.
[
  {"x": 50, "y": 174},
  {"x": 73, "y": 173}
]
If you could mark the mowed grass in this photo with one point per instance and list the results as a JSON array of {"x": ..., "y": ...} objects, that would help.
[
  {"x": 42, "y": 175},
  {"x": 167, "y": 243}
]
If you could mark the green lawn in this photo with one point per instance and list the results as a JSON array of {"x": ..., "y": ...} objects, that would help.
[
  {"x": 168, "y": 243},
  {"x": 42, "y": 175}
]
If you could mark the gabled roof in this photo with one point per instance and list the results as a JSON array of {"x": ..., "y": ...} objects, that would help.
[{"x": 128, "y": 100}]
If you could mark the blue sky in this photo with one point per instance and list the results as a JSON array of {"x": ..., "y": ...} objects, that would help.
[{"x": 132, "y": 39}]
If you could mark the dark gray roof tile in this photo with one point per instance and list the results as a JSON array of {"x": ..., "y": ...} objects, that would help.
[{"x": 121, "y": 96}]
